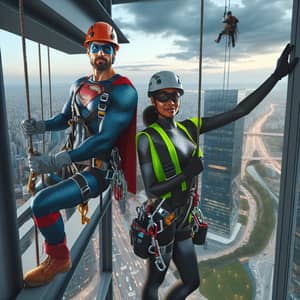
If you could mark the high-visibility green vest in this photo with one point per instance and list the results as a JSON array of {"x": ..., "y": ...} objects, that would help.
[{"x": 157, "y": 166}]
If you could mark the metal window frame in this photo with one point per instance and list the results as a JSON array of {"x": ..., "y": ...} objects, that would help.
[
  {"x": 290, "y": 163},
  {"x": 100, "y": 220},
  {"x": 10, "y": 259}
]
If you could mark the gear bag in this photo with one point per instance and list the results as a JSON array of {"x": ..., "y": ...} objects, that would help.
[
  {"x": 143, "y": 234},
  {"x": 140, "y": 238}
]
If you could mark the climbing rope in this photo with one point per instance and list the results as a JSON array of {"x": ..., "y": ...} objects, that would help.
[
  {"x": 32, "y": 176},
  {"x": 41, "y": 97},
  {"x": 200, "y": 73},
  {"x": 225, "y": 65},
  {"x": 228, "y": 68},
  {"x": 50, "y": 83},
  {"x": 199, "y": 85},
  {"x": 50, "y": 90},
  {"x": 227, "y": 56}
]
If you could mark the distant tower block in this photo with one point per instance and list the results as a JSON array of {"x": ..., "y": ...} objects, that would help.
[{"x": 220, "y": 197}]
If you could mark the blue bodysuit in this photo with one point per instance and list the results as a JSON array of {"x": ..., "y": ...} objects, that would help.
[{"x": 95, "y": 133}]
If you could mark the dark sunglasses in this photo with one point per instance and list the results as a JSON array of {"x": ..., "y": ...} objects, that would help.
[
  {"x": 164, "y": 96},
  {"x": 105, "y": 48}
]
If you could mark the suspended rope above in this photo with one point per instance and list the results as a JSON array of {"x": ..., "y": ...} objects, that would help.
[
  {"x": 226, "y": 70},
  {"x": 50, "y": 92},
  {"x": 199, "y": 90},
  {"x": 41, "y": 97},
  {"x": 32, "y": 177},
  {"x": 200, "y": 71},
  {"x": 227, "y": 54},
  {"x": 50, "y": 83}
]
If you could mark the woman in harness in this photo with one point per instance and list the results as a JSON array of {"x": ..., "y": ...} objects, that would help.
[{"x": 169, "y": 164}]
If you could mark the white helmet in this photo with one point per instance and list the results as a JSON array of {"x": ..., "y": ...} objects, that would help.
[{"x": 162, "y": 80}]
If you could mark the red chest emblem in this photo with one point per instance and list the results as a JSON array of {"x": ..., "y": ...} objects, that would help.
[{"x": 88, "y": 92}]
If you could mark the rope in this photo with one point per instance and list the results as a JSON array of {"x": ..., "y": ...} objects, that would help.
[
  {"x": 228, "y": 68},
  {"x": 32, "y": 176},
  {"x": 229, "y": 51},
  {"x": 42, "y": 104},
  {"x": 227, "y": 58},
  {"x": 199, "y": 83},
  {"x": 200, "y": 74},
  {"x": 225, "y": 64},
  {"x": 50, "y": 84},
  {"x": 21, "y": 19},
  {"x": 50, "y": 91},
  {"x": 41, "y": 94}
]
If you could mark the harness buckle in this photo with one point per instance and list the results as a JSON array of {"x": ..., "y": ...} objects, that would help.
[
  {"x": 85, "y": 190},
  {"x": 104, "y": 97},
  {"x": 109, "y": 174},
  {"x": 83, "y": 185}
]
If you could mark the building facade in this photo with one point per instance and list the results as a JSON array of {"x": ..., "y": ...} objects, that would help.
[{"x": 222, "y": 159}]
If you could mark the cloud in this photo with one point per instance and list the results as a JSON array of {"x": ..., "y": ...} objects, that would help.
[
  {"x": 140, "y": 67},
  {"x": 264, "y": 26}
]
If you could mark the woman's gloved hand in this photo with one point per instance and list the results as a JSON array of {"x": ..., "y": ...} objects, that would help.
[
  {"x": 193, "y": 168},
  {"x": 45, "y": 163},
  {"x": 30, "y": 127},
  {"x": 283, "y": 67}
]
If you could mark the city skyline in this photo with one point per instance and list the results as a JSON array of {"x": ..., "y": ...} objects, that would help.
[
  {"x": 136, "y": 68},
  {"x": 171, "y": 42}
]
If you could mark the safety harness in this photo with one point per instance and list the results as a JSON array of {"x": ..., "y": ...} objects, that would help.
[
  {"x": 159, "y": 171},
  {"x": 116, "y": 174}
]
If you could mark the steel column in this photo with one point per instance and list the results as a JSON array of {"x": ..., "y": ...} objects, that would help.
[
  {"x": 105, "y": 240},
  {"x": 289, "y": 187},
  {"x": 10, "y": 260}
]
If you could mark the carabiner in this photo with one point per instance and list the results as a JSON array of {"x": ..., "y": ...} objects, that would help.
[{"x": 160, "y": 264}]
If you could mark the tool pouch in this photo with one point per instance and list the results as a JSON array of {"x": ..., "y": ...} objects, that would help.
[
  {"x": 140, "y": 238},
  {"x": 199, "y": 227}
]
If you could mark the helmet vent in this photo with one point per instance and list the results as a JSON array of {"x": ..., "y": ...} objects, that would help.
[{"x": 112, "y": 35}]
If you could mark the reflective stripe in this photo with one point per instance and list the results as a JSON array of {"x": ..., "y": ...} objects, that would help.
[
  {"x": 172, "y": 151},
  {"x": 183, "y": 128},
  {"x": 157, "y": 166},
  {"x": 195, "y": 121}
]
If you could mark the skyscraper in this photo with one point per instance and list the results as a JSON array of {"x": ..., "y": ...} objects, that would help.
[
  {"x": 222, "y": 159},
  {"x": 295, "y": 264}
]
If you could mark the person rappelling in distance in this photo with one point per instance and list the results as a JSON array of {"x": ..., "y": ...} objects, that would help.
[{"x": 230, "y": 28}]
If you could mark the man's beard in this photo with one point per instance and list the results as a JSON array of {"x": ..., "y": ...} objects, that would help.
[{"x": 105, "y": 65}]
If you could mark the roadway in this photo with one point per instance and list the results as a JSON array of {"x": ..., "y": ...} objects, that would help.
[
  {"x": 261, "y": 265},
  {"x": 130, "y": 271},
  {"x": 253, "y": 142}
]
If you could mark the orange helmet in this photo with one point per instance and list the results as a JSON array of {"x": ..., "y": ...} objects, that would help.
[{"x": 101, "y": 32}]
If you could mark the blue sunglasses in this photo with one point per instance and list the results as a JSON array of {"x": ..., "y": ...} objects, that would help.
[{"x": 105, "y": 48}]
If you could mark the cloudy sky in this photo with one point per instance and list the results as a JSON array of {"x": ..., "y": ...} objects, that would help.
[{"x": 164, "y": 34}]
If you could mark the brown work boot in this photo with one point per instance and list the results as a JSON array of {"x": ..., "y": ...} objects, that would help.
[
  {"x": 57, "y": 261},
  {"x": 46, "y": 271}
]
